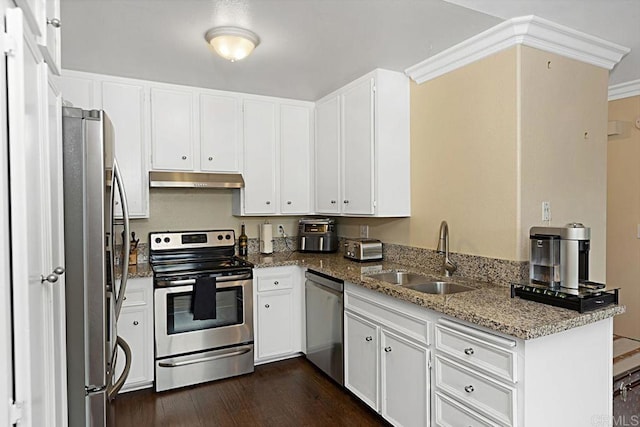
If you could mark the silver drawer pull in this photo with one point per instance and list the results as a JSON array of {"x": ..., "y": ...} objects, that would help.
[
  {"x": 368, "y": 338},
  {"x": 468, "y": 389},
  {"x": 135, "y": 323},
  {"x": 184, "y": 157},
  {"x": 266, "y": 306},
  {"x": 276, "y": 283},
  {"x": 468, "y": 351},
  {"x": 387, "y": 349}
]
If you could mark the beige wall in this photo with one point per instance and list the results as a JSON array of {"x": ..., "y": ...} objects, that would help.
[
  {"x": 623, "y": 214},
  {"x": 490, "y": 142},
  {"x": 560, "y": 103},
  {"x": 198, "y": 209}
]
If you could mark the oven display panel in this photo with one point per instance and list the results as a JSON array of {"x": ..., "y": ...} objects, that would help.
[{"x": 194, "y": 238}]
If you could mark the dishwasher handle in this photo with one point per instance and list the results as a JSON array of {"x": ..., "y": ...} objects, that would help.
[{"x": 334, "y": 284}]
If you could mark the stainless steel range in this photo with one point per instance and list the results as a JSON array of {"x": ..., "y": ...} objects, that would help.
[{"x": 203, "y": 303}]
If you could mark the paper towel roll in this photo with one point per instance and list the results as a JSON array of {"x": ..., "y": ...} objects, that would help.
[{"x": 266, "y": 239}]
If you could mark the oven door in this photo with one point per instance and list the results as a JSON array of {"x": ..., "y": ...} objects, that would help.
[{"x": 177, "y": 332}]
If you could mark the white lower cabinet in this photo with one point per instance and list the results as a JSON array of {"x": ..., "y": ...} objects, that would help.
[
  {"x": 387, "y": 358},
  {"x": 278, "y": 313},
  {"x": 135, "y": 326}
]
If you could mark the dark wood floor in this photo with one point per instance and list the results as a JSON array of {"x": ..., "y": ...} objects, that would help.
[{"x": 287, "y": 393}]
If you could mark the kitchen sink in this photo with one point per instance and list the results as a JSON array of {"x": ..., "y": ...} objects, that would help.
[
  {"x": 420, "y": 283},
  {"x": 399, "y": 277},
  {"x": 438, "y": 287}
]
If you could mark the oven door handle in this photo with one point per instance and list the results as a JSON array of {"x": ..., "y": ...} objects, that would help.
[
  {"x": 204, "y": 359},
  {"x": 220, "y": 279}
]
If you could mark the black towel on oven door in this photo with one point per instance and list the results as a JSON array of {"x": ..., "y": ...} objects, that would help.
[{"x": 204, "y": 298}]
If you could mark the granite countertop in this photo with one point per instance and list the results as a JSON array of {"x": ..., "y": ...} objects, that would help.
[{"x": 489, "y": 305}]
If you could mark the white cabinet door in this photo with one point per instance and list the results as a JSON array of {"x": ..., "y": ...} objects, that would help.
[
  {"x": 34, "y": 15},
  {"x": 134, "y": 328},
  {"x": 361, "y": 359},
  {"x": 405, "y": 381},
  {"x": 172, "y": 133},
  {"x": 31, "y": 227},
  {"x": 124, "y": 104},
  {"x": 357, "y": 143},
  {"x": 275, "y": 323},
  {"x": 295, "y": 160},
  {"x": 259, "y": 157},
  {"x": 327, "y": 156},
  {"x": 220, "y": 133}
]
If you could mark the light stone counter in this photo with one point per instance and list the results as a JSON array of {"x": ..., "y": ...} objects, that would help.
[{"x": 489, "y": 305}]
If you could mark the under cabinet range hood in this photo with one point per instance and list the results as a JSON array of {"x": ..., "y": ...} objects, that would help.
[{"x": 195, "y": 180}]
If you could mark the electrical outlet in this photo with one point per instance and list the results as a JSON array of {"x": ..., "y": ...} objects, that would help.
[
  {"x": 546, "y": 211},
  {"x": 364, "y": 231},
  {"x": 281, "y": 230}
]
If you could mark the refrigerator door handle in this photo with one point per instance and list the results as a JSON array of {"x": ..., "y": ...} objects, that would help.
[
  {"x": 126, "y": 245},
  {"x": 112, "y": 390}
]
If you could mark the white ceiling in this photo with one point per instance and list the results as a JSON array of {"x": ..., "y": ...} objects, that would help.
[{"x": 308, "y": 47}]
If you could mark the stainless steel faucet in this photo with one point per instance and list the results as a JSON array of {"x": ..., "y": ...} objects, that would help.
[{"x": 443, "y": 248}]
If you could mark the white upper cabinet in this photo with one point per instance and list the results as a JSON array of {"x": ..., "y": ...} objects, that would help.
[
  {"x": 172, "y": 130},
  {"x": 327, "y": 155},
  {"x": 195, "y": 129},
  {"x": 295, "y": 151},
  {"x": 124, "y": 105},
  {"x": 124, "y": 102},
  {"x": 259, "y": 157},
  {"x": 277, "y": 158},
  {"x": 362, "y": 148},
  {"x": 43, "y": 18},
  {"x": 220, "y": 133}
]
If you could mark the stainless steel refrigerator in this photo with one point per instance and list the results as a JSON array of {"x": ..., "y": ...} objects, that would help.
[{"x": 92, "y": 187}]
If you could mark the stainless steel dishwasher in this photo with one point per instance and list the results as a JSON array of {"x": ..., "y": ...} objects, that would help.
[{"x": 324, "y": 314}]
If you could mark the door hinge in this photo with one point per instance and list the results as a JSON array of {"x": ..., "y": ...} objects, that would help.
[
  {"x": 8, "y": 44},
  {"x": 15, "y": 412}
]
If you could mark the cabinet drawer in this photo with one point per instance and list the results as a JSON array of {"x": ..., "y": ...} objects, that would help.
[
  {"x": 489, "y": 357},
  {"x": 134, "y": 297},
  {"x": 408, "y": 324},
  {"x": 274, "y": 282},
  {"x": 450, "y": 413},
  {"x": 487, "y": 396}
]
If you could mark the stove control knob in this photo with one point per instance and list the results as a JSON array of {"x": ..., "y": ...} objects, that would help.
[
  {"x": 158, "y": 240},
  {"x": 219, "y": 236},
  {"x": 167, "y": 240},
  {"x": 228, "y": 237}
]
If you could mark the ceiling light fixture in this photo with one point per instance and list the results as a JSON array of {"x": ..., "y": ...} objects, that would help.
[{"x": 232, "y": 43}]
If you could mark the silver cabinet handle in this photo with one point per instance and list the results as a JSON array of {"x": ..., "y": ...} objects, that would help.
[
  {"x": 468, "y": 389},
  {"x": 333, "y": 202},
  {"x": 468, "y": 351},
  {"x": 268, "y": 202},
  {"x": 387, "y": 349},
  {"x": 54, "y": 22},
  {"x": 58, "y": 270},
  {"x": 184, "y": 157},
  {"x": 51, "y": 278},
  {"x": 346, "y": 201},
  {"x": 135, "y": 323},
  {"x": 368, "y": 338},
  {"x": 266, "y": 306},
  {"x": 275, "y": 282},
  {"x": 210, "y": 158},
  {"x": 288, "y": 202}
]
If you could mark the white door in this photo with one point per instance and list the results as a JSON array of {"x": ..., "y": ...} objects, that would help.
[
  {"x": 275, "y": 329},
  {"x": 30, "y": 227},
  {"x": 405, "y": 381},
  {"x": 357, "y": 143},
  {"x": 295, "y": 160},
  {"x": 259, "y": 157},
  {"x": 328, "y": 156},
  {"x": 361, "y": 359},
  {"x": 56, "y": 202},
  {"x": 172, "y": 129},
  {"x": 220, "y": 130},
  {"x": 124, "y": 104}
]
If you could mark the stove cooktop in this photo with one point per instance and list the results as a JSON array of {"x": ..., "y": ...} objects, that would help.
[{"x": 590, "y": 296}]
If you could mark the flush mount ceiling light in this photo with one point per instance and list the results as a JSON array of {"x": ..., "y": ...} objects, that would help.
[{"x": 232, "y": 43}]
